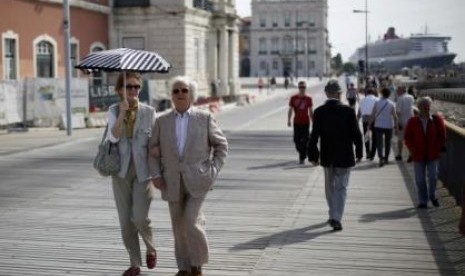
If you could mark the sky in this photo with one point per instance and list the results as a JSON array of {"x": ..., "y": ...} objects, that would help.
[{"x": 347, "y": 29}]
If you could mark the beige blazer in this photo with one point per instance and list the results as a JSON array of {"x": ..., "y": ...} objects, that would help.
[{"x": 204, "y": 153}]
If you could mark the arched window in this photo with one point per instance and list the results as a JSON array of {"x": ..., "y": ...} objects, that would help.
[{"x": 45, "y": 59}]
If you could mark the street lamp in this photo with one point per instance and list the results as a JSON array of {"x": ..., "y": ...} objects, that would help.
[{"x": 365, "y": 11}]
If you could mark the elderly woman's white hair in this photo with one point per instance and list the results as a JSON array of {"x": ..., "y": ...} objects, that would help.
[
  {"x": 192, "y": 85},
  {"x": 424, "y": 100}
]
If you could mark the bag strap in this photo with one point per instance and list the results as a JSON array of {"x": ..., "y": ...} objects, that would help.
[
  {"x": 381, "y": 110},
  {"x": 104, "y": 134}
]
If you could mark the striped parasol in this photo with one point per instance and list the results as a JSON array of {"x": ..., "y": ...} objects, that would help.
[{"x": 124, "y": 59}]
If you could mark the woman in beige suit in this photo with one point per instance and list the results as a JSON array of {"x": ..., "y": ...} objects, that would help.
[
  {"x": 130, "y": 125},
  {"x": 189, "y": 149}
]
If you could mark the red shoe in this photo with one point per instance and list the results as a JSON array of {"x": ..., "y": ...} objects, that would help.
[
  {"x": 151, "y": 260},
  {"x": 132, "y": 271}
]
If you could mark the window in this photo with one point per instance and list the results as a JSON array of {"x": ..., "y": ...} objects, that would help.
[
  {"x": 263, "y": 65},
  {"x": 45, "y": 60},
  {"x": 299, "y": 65},
  {"x": 97, "y": 77},
  {"x": 275, "y": 45},
  {"x": 262, "y": 21},
  {"x": 300, "y": 45},
  {"x": 10, "y": 58},
  {"x": 311, "y": 64},
  {"x": 288, "y": 45},
  {"x": 311, "y": 46},
  {"x": 287, "y": 19},
  {"x": 131, "y": 3},
  {"x": 275, "y": 65},
  {"x": 262, "y": 50},
  {"x": 73, "y": 56},
  {"x": 274, "y": 19}
]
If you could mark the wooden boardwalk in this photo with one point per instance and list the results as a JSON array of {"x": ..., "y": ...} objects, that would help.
[{"x": 266, "y": 216}]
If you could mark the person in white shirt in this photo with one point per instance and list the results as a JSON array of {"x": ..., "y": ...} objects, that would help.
[
  {"x": 384, "y": 119},
  {"x": 364, "y": 111},
  {"x": 404, "y": 109}
]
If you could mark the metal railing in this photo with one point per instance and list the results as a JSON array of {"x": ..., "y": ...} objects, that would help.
[{"x": 451, "y": 168}]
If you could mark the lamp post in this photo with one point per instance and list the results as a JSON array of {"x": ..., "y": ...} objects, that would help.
[{"x": 365, "y": 11}]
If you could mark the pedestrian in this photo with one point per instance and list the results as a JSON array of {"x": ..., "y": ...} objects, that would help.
[
  {"x": 301, "y": 105},
  {"x": 384, "y": 120},
  {"x": 273, "y": 84},
  {"x": 352, "y": 95},
  {"x": 404, "y": 108},
  {"x": 336, "y": 129},
  {"x": 130, "y": 123},
  {"x": 425, "y": 136},
  {"x": 411, "y": 91},
  {"x": 260, "y": 85},
  {"x": 189, "y": 150},
  {"x": 286, "y": 83},
  {"x": 364, "y": 112}
]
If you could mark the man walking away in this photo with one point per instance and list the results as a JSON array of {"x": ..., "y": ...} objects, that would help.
[
  {"x": 302, "y": 106},
  {"x": 404, "y": 108},
  {"x": 364, "y": 112},
  {"x": 335, "y": 126}
]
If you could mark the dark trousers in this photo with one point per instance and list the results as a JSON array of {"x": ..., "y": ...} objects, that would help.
[
  {"x": 370, "y": 145},
  {"x": 301, "y": 136},
  {"x": 387, "y": 133}
]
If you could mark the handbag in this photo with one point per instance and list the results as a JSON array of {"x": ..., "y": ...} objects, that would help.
[{"x": 107, "y": 161}]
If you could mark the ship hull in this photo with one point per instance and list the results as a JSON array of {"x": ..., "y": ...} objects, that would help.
[{"x": 398, "y": 63}]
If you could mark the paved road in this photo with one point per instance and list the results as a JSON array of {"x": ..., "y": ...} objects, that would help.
[{"x": 265, "y": 216}]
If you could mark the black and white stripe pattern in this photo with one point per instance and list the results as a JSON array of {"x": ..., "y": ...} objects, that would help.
[{"x": 124, "y": 59}]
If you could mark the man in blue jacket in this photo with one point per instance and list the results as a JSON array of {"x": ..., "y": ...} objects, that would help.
[{"x": 335, "y": 125}]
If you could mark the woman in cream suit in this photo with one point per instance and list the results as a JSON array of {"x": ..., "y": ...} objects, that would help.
[
  {"x": 130, "y": 125},
  {"x": 189, "y": 149}
]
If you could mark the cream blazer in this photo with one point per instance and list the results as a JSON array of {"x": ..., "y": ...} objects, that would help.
[{"x": 203, "y": 156}]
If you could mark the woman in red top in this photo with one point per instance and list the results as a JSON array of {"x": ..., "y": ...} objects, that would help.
[{"x": 425, "y": 136}]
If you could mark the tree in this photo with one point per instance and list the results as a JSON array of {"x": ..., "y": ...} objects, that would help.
[
  {"x": 349, "y": 67},
  {"x": 336, "y": 62}
]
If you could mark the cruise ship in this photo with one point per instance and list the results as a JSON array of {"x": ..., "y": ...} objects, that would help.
[{"x": 393, "y": 53}]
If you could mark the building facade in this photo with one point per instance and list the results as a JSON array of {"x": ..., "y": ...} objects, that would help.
[
  {"x": 32, "y": 41},
  {"x": 289, "y": 38},
  {"x": 198, "y": 37}
]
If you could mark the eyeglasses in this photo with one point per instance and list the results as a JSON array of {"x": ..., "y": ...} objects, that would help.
[
  {"x": 183, "y": 90},
  {"x": 130, "y": 86}
]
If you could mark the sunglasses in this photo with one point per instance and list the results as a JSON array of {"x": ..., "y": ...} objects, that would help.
[
  {"x": 130, "y": 86},
  {"x": 302, "y": 87},
  {"x": 183, "y": 90}
]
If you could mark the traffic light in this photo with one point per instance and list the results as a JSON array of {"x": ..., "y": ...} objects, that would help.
[{"x": 361, "y": 66}]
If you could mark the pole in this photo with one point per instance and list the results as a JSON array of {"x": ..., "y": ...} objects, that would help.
[
  {"x": 67, "y": 27},
  {"x": 296, "y": 22},
  {"x": 306, "y": 52},
  {"x": 366, "y": 39}
]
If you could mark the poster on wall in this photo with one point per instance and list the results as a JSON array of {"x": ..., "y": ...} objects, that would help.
[
  {"x": 9, "y": 111},
  {"x": 46, "y": 100}
]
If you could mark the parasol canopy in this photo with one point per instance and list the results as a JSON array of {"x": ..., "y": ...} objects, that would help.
[{"x": 124, "y": 59}]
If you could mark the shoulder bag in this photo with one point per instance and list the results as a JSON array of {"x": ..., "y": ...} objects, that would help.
[{"x": 107, "y": 161}]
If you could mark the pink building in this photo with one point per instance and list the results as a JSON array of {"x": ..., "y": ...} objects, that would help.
[{"x": 32, "y": 38}]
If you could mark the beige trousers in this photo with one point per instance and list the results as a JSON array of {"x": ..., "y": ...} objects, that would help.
[
  {"x": 190, "y": 239},
  {"x": 133, "y": 200}
]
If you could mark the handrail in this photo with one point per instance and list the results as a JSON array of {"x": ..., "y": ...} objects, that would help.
[{"x": 451, "y": 170}]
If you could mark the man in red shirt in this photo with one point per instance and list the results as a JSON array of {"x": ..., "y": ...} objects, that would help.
[{"x": 302, "y": 106}]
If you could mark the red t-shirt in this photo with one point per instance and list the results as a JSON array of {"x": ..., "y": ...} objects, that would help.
[{"x": 301, "y": 105}]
